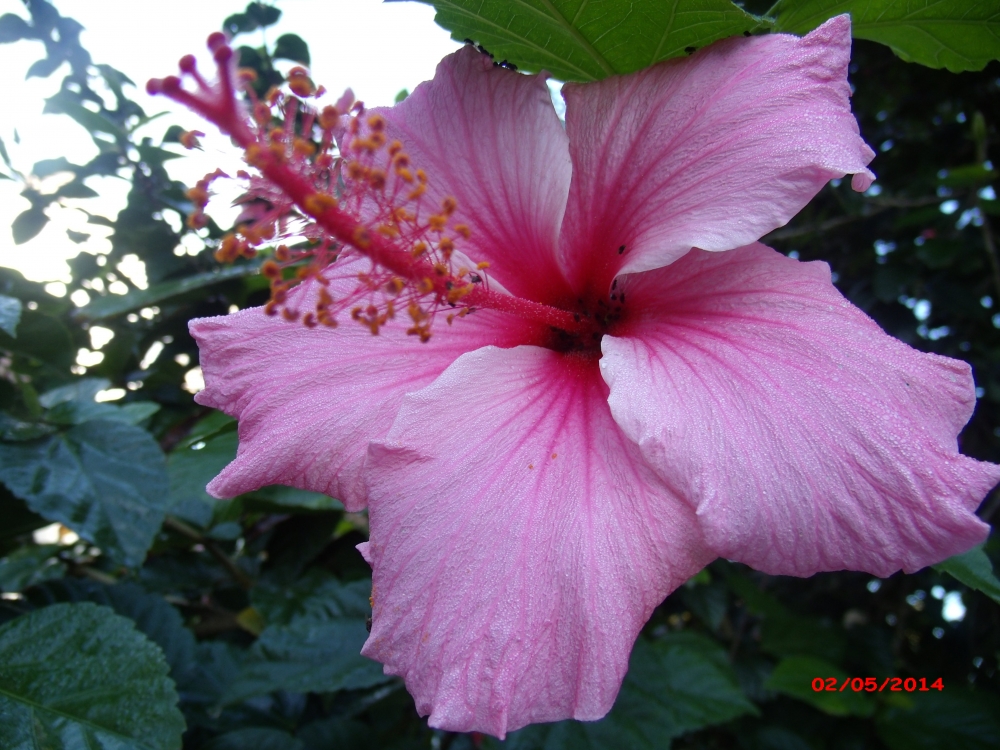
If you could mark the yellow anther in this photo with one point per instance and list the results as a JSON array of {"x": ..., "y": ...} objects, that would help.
[
  {"x": 328, "y": 117},
  {"x": 278, "y": 152},
  {"x": 362, "y": 238},
  {"x": 304, "y": 148},
  {"x": 356, "y": 170},
  {"x": 401, "y": 159},
  {"x": 247, "y": 75},
  {"x": 437, "y": 222},
  {"x": 376, "y": 178},
  {"x": 189, "y": 138},
  {"x": 454, "y": 295},
  {"x": 422, "y": 176},
  {"x": 387, "y": 230},
  {"x": 376, "y": 123},
  {"x": 318, "y": 203},
  {"x": 290, "y": 315},
  {"x": 299, "y": 83},
  {"x": 282, "y": 253},
  {"x": 377, "y": 139},
  {"x": 440, "y": 269},
  {"x": 309, "y": 319},
  {"x": 404, "y": 174},
  {"x": 417, "y": 314},
  {"x": 276, "y": 134},
  {"x": 463, "y": 230},
  {"x": 395, "y": 147},
  {"x": 425, "y": 285},
  {"x": 197, "y": 195},
  {"x": 418, "y": 191},
  {"x": 446, "y": 246},
  {"x": 483, "y": 264},
  {"x": 255, "y": 155},
  {"x": 364, "y": 144},
  {"x": 448, "y": 205},
  {"x": 419, "y": 249}
]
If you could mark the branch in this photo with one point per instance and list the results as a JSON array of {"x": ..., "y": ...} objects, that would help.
[{"x": 241, "y": 578}]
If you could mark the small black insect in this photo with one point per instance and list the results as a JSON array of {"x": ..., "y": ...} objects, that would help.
[
  {"x": 480, "y": 48},
  {"x": 621, "y": 249},
  {"x": 746, "y": 33},
  {"x": 368, "y": 624},
  {"x": 475, "y": 278},
  {"x": 690, "y": 50},
  {"x": 505, "y": 64}
]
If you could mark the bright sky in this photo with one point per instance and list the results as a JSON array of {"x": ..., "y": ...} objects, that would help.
[{"x": 375, "y": 48}]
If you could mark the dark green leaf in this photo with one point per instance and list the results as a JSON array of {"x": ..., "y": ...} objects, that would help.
[
  {"x": 93, "y": 122},
  {"x": 83, "y": 389},
  {"x": 336, "y": 731},
  {"x": 106, "y": 307},
  {"x": 151, "y": 614},
  {"x": 42, "y": 337},
  {"x": 28, "y": 224},
  {"x": 263, "y": 15},
  {"x": 105, "y": 480},
  {"x": 78, "y": 676},
  {"x": 13, "y": 28},
  {"x": 953, "y": 717},
  {"x": 192, "y": 466},
  {"x": 10, "y": 314},
  {"x": 30, "y": 565},
  {"x": 258, "y": 738},
  {"x": 17, "y": 519},
  {"x": 45, "y": 67},
  {"x": 794, "y": 675},
  {"x": 954, "y": 34},
  {"x": 238, "y": 23},
  {"x": 674, "y": 685},
  {"x": 316, "y": 594},
  {"x": 77, "y": 237},
  {"x": 580, "y": 41},
  {"x": 16, "y": 430},
  {"x": 278, "y": 497},
  {"x": 971, "y": 175},
  {"x": 784, "y": 633},
  {"x": 75, "y": 189},
  {"x": 47, "y": 167},
  {"x": 291, "y": 47},
  {"x": 974, "y": 569},
  {"x": 317, "y": 651}
]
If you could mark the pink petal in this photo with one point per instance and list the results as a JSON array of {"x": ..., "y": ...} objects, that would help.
[
  {"x": 490, "y": 138},
  {"x": 518, "y": 542},
  {"x": 309, "y": 400},
  {"x": 712, "y": 151},
  {"x": 807, "y": 439}
]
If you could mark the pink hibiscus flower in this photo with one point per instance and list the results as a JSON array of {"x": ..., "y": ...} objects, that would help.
[{"x": 626, "y": 404}]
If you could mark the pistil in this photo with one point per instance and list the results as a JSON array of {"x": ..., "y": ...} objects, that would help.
[{"x": 426, "y": 275}]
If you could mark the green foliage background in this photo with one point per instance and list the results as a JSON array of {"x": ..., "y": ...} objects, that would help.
[{"x": 177, "y": 620}]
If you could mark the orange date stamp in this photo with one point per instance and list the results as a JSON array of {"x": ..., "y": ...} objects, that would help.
[{"x": 874, "y": 685}]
